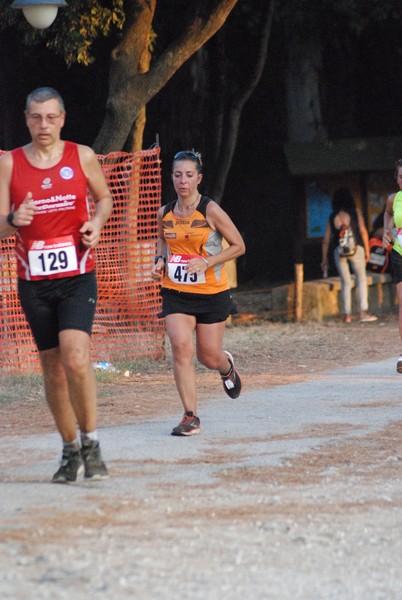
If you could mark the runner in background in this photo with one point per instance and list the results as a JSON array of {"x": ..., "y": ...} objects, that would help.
[
  {"x": 393, "y": 215},
  {"x": 195, "y": 290},
  {"x": 43, "y": 202}
]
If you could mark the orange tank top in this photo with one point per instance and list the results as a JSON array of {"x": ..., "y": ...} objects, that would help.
[{"x": 188, "y": 237}]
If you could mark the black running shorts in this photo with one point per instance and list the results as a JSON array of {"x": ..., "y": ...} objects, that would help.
[
  {"x": 52, "y": 305},
  {"x": 206, "y": 308},
  {"x": 396, "y": 262}
]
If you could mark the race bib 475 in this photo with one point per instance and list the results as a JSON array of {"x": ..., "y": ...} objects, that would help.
[{"x": 177, "y": 270}]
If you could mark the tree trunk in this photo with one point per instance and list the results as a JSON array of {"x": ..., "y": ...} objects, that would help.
[
  {"x": 305, "y": 123},
  {"x": 138, "y": 130},
  {"x": 129, "y": 89},
  {"x": 231, "y": 124}
]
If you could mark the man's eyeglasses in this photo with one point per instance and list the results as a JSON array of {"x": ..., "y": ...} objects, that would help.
[
  {"x": 51, "y": 119},
  {"x": 185, "y": 154}
]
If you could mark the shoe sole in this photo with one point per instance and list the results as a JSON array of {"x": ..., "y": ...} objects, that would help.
[
  {"x": 80, "y": 477},
  {"x": 186, "y": 433},
  {"x": 399, "y": 367},
  {"x": 233, "y": 397}
]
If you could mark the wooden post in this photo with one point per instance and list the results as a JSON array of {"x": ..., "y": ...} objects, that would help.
[{"x": 299, "y": 276}]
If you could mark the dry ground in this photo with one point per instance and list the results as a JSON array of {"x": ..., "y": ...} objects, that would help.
[
  {"x": 322, "y": 525},
  {"x": 266, "y": 353}
]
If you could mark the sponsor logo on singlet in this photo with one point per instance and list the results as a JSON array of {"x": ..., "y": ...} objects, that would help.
[
  {"x": 66, "y": 173},
  {"x": 38, "y": 245},
  {"x": 46, "y": 183}
]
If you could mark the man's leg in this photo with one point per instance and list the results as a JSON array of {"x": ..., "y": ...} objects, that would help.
[
  {"x": 80, "y": 377},
  {"x": 75, "y": 355},
  {"x": 58, "y": 398},
  {"x": 57, "y": 394},
  {"x": 70, "y": 387}
]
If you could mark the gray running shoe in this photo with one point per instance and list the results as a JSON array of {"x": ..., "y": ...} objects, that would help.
[
  {"x": 95, "y": 468},
  {"x": 71, "y": 467},
  {"x": 189, "y": 425},
  {"x": 231, "y": 381}
]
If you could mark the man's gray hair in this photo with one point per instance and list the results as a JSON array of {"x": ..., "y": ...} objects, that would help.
[{"x": 43, "y": 94}]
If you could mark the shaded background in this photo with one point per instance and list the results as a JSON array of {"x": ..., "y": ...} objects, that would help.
[{"x": 360, "y": 93}]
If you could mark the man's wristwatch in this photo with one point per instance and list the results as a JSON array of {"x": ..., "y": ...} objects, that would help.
[
  {"x": 158, "y": 257},
  {"x": 10, "y": 218}
]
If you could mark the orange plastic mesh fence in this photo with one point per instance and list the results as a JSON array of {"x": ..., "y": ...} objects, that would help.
[{"x": 126, "y": 326}]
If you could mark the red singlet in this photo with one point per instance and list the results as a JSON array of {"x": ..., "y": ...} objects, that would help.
[{"x": 50, "y": 247}]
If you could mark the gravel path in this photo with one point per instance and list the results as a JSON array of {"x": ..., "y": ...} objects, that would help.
[{"x": 292, "y": 492}]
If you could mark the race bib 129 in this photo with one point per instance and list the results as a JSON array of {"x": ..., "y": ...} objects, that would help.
[{"x": 51, "y": 257}]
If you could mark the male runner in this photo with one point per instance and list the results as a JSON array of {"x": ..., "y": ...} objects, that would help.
[{"x": 43, "y": 202}]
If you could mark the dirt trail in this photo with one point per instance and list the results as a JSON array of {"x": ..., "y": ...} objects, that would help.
[{"x": 293, "y": 492}]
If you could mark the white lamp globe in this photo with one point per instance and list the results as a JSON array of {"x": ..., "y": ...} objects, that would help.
[
  {"x": 39, "y": 13},
  {"x": 40, "y": 17}
]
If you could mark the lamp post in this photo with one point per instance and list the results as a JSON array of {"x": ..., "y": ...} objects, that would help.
[{"x": 39, "y": 13}]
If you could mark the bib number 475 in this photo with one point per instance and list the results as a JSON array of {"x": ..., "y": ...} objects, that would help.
[
  {"x": 177, "y": 270},
  {"x": 181, "y": 275}
]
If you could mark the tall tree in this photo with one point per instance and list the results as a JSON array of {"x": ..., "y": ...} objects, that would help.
[
  {"x": 313, "y": 33},
  {"x": 133, "y": 79},
  {"x": 202, "y": 105},
  {"x": 233, "y": 89},
  {"x": 130, "y": 87}
]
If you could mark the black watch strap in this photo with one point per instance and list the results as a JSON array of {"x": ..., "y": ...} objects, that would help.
[
  {"x": 158, "y": 257},
  {"x": 10, "y": 218}
]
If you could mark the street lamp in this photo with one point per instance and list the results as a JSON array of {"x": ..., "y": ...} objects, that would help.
[{"x": 39, "y": 13}]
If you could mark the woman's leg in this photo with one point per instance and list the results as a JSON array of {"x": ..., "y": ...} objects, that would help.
[
  {"x": 211, "y": 355},
  {"x": 359, "y": 268},
  {"x": 210, "y": 347},
  {"x": 346, "y": 282},
  {"x": 180, "y": 329}
]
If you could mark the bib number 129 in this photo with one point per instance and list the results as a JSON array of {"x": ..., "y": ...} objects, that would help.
[
  {"x": 53, "y": 261},
  {"x": 50, "y": 259}
]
